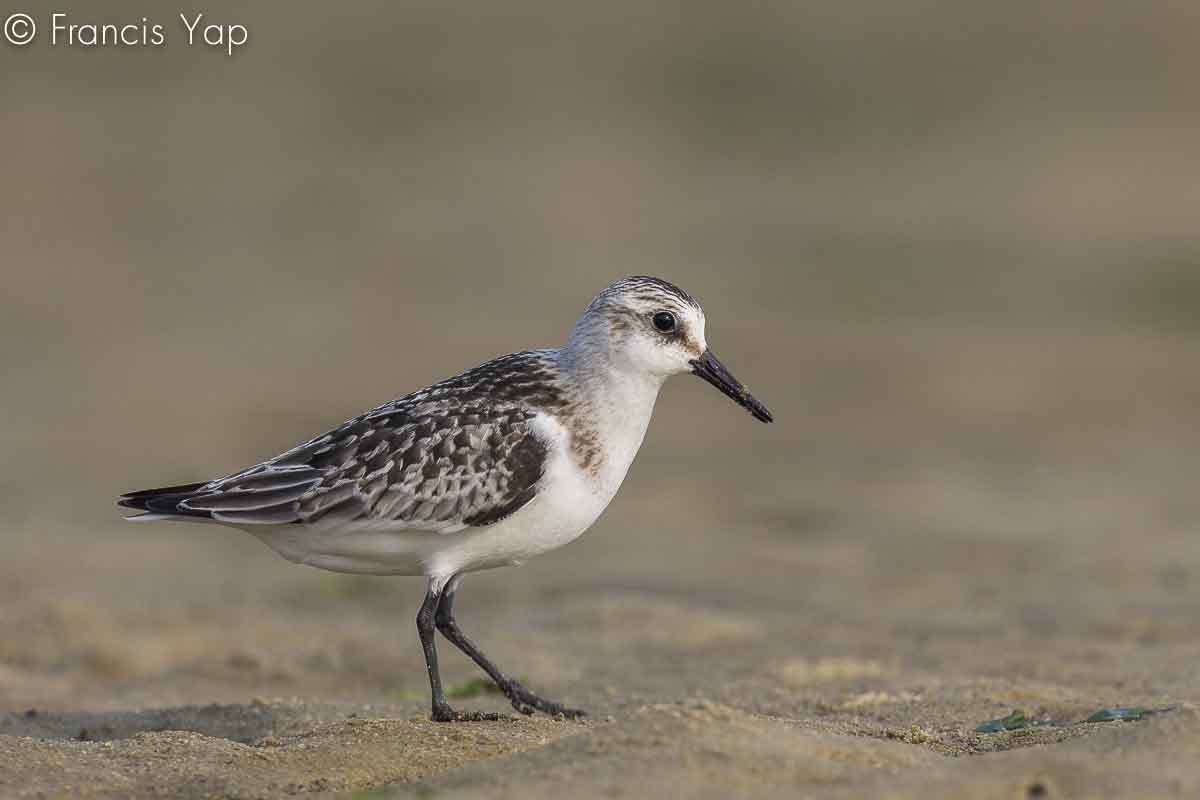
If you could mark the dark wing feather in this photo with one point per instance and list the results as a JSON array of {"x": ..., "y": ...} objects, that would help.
[
  {"x": 162, "y": 501},
  {"x": 460, "y": 453}
]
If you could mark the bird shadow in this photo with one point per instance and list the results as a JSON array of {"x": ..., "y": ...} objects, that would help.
[{"x": 239, "y": 723}]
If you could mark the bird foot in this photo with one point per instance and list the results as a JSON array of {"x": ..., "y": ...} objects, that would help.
[
  {"x": 527, "y": 702},
  {"x": 444, "y": 713}
]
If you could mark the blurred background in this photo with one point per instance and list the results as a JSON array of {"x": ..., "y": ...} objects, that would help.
[{"x": 953, "y": 246}]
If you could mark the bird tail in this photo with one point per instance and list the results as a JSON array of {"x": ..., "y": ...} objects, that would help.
[{"x": 164, "y": 502}]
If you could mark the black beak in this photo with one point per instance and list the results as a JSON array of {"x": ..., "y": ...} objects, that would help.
[{"x": 709, "y": 367}]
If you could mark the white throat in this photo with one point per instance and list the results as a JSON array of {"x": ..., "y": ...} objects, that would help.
[{"x": 615, "y": 404}]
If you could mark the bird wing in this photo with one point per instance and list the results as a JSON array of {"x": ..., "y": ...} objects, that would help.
[{"x": 459, "y": 454}]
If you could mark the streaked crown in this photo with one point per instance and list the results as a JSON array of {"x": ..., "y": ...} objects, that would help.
[{"x": 642, "y": 324}]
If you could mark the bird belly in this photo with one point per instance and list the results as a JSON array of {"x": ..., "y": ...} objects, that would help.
[
  {"x": 359, "y": 550},
  {"x": 565, "y": 506},
  {"x": 568, "y": 500}
]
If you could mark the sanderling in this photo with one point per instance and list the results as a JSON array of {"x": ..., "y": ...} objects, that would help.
[{"x": 486, "y": 469}]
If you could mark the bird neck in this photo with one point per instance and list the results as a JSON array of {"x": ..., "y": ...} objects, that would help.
[
  {"x": 603, "y": 380},
  {"x": 613, "y": 403}
]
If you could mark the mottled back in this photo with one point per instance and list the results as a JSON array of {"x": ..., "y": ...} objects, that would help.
[{"x": 460, "y": 453}]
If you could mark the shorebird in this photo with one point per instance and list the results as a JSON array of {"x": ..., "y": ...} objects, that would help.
[{"x": 487, "y": 469}]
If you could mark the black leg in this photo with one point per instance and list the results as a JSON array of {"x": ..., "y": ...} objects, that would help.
[
  {"x": 442, "y": 712},
  {"x": 522, "y": 699}
]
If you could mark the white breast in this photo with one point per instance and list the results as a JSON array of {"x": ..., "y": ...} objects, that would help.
[{"x": 570, "y": 498}]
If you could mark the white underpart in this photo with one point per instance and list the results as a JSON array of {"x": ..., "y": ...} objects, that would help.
[{"x": 568, "y": 501}]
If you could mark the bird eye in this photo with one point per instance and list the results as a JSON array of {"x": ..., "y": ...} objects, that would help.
[{"x": 664, "y": 321}]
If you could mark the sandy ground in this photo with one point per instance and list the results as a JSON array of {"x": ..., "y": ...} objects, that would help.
[
  {"x": 830, "y": 605},
  {"x": 953, "y": 246}
]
